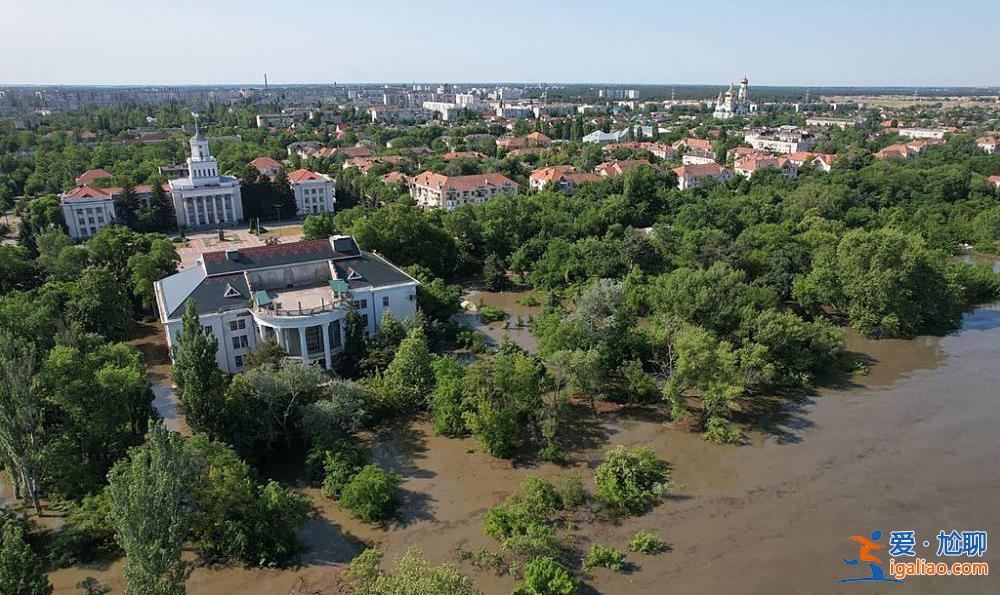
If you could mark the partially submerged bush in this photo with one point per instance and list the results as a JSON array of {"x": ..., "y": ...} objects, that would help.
[
  {"x": 605, "y": 557},
  {"x": 645, "y": 542},
  {"x": 545, "y": 576},
  {"x": 630, "y": 481},
  {"x": 372, "y": 494}
]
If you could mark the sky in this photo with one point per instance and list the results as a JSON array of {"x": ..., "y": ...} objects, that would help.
[{"x": 830, "y": 43}]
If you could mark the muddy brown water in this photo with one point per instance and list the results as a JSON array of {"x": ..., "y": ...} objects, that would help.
[{"x": 912, "y": 445}]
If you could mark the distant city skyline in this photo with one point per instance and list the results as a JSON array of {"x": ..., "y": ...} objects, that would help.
[{"x": 891, "y": 43}]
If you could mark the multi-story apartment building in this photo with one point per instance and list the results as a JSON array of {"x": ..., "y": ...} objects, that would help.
[
  {"x": 826, "y": 122},
  {"x": 205, "y": 198},
  {"x": 691, "y": 176},
  {"x": 783, "y": 139},
  {"x": 391, "y": 114},
  {"x": 432, "y": 190},
  {"x": 313, "y": 192},
  {"x": 564, "y": 178},
  {"x": 297, "y": 293},
  {"x": 923, "y": 133},
  {"x": 748, "y": 166},
  {"x": 87, "y": 209}
]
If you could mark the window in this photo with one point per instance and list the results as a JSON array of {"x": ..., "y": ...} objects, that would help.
[
  {"x": 335, "y": 340},
  {"x": 385, "y": 301},
  {"x": 239, "y": 361},
  {"x": 207, "y": 330},
  {"x": 314, "y": 339},
  {"x": 236, "y": 342}
]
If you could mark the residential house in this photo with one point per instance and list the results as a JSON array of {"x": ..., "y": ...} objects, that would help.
[
  {"x": 564, "y": 178},
  {"x": 691, "y": 176},
  {"x": 990, "y": 144},
  {"x": 616, "y": 167},
  {"x": 783, "y": 139},
  {"x": 748, "y": 166},
  {"x": 432, "y": 190},
  {"x": 266, "y": 166}
]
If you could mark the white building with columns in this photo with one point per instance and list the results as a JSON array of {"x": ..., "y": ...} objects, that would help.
[
  {"x": 313, "y": 192},
  {"x": 297, "y": 293},
  {"x": 205, "y": 198}
]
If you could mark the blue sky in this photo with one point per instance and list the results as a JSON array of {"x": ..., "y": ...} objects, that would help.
[{"x": 833, "y": 42}]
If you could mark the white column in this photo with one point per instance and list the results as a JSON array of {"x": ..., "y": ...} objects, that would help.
[
  {"x": 197, "y": 214},
  {"x": 326, "y": 344},
  {"x": 302, "y": 343},
  {"x": 215, "y": 210}
]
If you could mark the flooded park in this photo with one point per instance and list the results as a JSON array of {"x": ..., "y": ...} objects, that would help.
[{"x": 910, "y": 445}]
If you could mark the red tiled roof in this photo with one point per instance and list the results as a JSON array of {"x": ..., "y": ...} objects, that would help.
[
  {"x": 462, "y": 155},
  {"x": 88, "y": 177},
  {"x": 470, "y": 182},
  {"x": 393, "y": 177},
  {"x": 697, "y": 171},
  {"x": 83, "y": 192},
  {"x": 551, "y": 173},
  {"x": 694, "y": 143},
  {"x": 618, "y": 167},
  {"x": 263, "y": 163},
  {"x": 302, "y": 175},
  {"x": 576, "y": 178},
  {"x": 995, "y": 180}
]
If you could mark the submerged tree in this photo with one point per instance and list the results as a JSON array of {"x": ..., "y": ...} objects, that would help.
[
  {"x": 149, "y": 490},
  {"x": 196, "y": 373},
  {"x": 20, "y": 418}
]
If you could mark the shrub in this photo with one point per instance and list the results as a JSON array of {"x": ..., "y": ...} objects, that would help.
[
  {"x": 489, "y": 314},
  {"x": 87, "y": 534},
  {"x": 630, "y": 480},
  {"x": 545, "y": 576},
  {"x": 273, "y": 537},
  {"x": 717, "y": 430},
  {"x": 447, "y": 398},
  {"x": 372, "y": 494},
  {"x": 520, "y": 529},
  {"x": 646, "y": 543},
  {"x": 605, "y": 557},
  {"x": 571, "y": 491},
  {"x": 411, "y": 575},
  {"x": 528, "y": 300},
  {"x": 341, "y": 465},
  {"x": 540, "y": 496},
  {"x": 482, "y": 558}
]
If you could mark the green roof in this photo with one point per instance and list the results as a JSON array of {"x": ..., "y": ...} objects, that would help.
[
  {"x": 262, "y": 298},
  {"x": 338, "y": 286}
]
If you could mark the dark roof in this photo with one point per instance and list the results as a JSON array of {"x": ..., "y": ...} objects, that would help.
[
  {"x": 360, "y": 270},
  {"x": 369, "y": 270},
  {"x": 246, "y": 259},
  {"x": 210, "y": 294}
]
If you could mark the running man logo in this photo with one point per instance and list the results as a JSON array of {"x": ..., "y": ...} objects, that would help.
[{"x": 865, "y": 555}]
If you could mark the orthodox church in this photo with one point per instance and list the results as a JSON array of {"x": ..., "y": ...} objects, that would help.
[{"x": 734, "y": 105}]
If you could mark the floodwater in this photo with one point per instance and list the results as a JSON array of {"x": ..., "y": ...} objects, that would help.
[
  {"x": 149, "y": 338},
  {"x": 913, "y": 445},
  {"x": 517, "y": 325}
]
